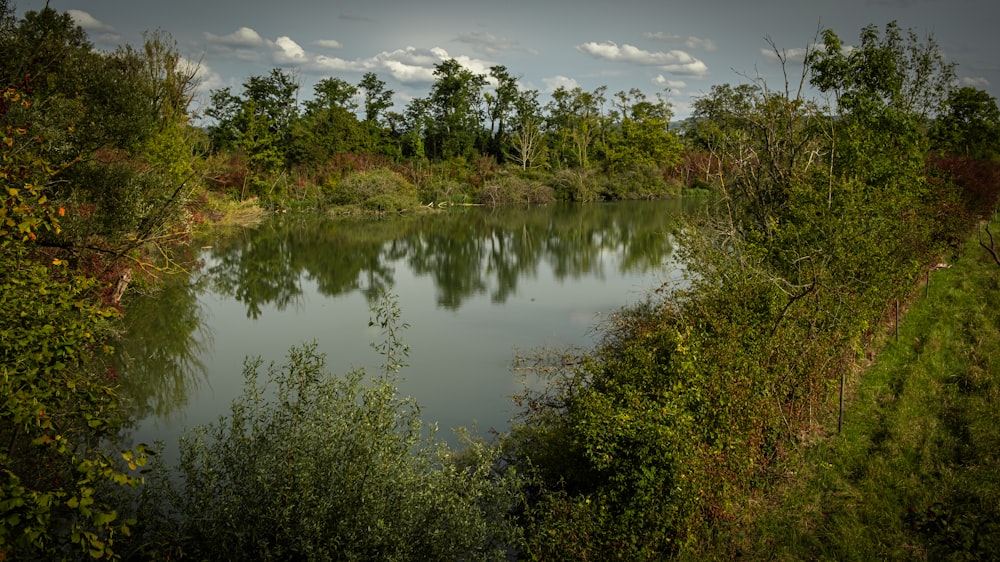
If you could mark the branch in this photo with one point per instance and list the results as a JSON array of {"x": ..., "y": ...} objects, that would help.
[{"x": 992, "y": 247}]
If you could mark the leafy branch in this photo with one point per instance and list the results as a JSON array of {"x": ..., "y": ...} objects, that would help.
[{"x": 388, "y": 319}]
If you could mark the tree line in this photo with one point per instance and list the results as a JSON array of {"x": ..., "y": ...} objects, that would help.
[{"x": 469, "y": 125}]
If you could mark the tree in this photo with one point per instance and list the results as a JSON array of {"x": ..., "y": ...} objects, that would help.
[
  {"x": 377, "y": 100},
  {"x": 500, "y": 105},
  {"x": 328, "y": 126},
  {"x": 377, "y": 97},
  {"x": 456, "y": 102},
  {"x": 418, "y": 121},
  {"x": 120, "y": 122},
  {"x": 332, "y": 92},
  {"x": 969, "y": 125},
  {"x": 643, "y": 134},
  {"x": 883, "y": 91},
  {"x": 527, "y": 140},
  {"x": 574, "y": 123},
  {"x": 57, "y": 404},
  {"x": 259, "y": 123}
]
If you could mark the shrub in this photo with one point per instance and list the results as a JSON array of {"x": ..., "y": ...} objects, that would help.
[
  {"x": 638, "y": 182},
  {"x": 330, "y": 468},
  {"x": 510, "y": 190},
  {"x": 576, "y": 185},
  {"x": 380, "y": 189}
]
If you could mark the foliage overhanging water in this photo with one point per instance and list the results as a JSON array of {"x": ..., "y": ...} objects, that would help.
[{"x": 476, "y": 286}]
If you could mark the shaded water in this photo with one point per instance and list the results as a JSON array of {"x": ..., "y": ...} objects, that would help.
[{"x": 475, "y": 285}]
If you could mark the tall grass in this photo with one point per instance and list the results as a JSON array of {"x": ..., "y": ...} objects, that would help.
[{"x": 916, "y": 472}]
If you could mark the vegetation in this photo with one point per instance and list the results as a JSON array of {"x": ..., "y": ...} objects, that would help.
[
  {"x": 914, "y": 475},
  {"x": 76, "y": 211},
  {"x": 330, "y": 468},
  {"x": 655, "y": 444},
  {"x": 826, "y": 214}
]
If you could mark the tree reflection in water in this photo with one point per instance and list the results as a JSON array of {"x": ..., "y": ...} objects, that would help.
[{"x": 465, "y": 253}]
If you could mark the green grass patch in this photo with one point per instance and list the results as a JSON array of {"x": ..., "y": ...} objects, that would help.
[{"x": 915, "y": 474}]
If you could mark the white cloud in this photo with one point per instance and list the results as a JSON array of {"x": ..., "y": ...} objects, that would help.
[
  {"x": 690, "y": 42},
  {"x": 408, "y": 65},
  {"x": 242, "y": 38},
  {"x": 408, "y": 73},
  {"x": 337, "y": 64},
  {"x": 288, "y": 51},
  {"x": 662, "y": 81},
  {"x": 87, "y": 21},
  {"x": 328, "y": 44},
  {"x": 975, "y": 82},
  {"x": 675, "y": 62},
  {"x": 553, "y": 83},
  {"x": 477, "y": 66}
]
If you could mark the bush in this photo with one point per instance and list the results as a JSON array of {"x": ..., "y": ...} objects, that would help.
[
  {"x": 579, "y": 186},
  {"x": 376, "y": 188},
  {"x": 510, "y": 190},
  {"x": 638, "y": 182},
  {"x": 330, "y": 468}
]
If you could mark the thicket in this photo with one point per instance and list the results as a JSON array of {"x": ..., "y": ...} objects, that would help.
[
  {"x": 657, "y": 444},
  {"x": 91, "y": 189},
  {"x": 914, "y": 475},
  {"x": 314, "y": 466}
]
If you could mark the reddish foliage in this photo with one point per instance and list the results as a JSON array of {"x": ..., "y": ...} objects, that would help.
[{"x": 978, "y": 180}]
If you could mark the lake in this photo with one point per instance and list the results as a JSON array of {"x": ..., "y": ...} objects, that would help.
[{"x": 476, "y": 285}]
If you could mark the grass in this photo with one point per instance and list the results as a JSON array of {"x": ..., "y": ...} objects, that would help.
[{"x": 915, "y": 475}]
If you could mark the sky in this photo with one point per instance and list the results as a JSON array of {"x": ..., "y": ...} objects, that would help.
[{"x": 679, "y": 48}]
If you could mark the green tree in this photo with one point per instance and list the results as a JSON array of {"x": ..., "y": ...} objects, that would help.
[
  {"x": 643, "y": 133},
  {"x": 574, "y": 123},
  {"x": 377, "y": 99},
  {"x": 887, "y": 86},
  {"x": 969, "y": 125},
  {"x": 258, "y": 123},
  {"x": 327, "y": 127},
  {"x": 119, "y": 121},
  {"x": 456, "y": 103},
  {"x": 332, "y": 92},
  {"x": 500, "y": 107}
]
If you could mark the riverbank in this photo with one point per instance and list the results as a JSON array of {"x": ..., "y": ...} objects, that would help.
[{"x": 915, "y": 473}]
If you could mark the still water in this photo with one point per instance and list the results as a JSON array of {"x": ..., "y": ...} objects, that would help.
[{"x": 477, "y": 286}]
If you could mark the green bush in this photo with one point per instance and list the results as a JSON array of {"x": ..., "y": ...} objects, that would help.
[
  {"x": 640, "y": 181},
  {"x": 54, "y": 412},
  {"x": 444, "y": 190},
  {"x": 376, "y": 188},
  {"x": 579, "y": 186},
  {"x": 321, "y": 467},
  {"x": 511, "y": 189}
]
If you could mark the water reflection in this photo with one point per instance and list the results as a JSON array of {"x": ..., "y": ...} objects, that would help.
[
  {"x": 160, "y": 357},
  {"x": 466, "y": 252},
  {"x": 299, "y": 278}
]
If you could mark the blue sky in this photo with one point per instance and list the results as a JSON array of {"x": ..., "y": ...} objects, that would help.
[{"x": 685, "y": 46}]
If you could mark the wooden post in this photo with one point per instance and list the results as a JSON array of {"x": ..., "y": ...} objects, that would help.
[
  {"x": 896, "y": 329},
  {"x": 840, "y": 416}
]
